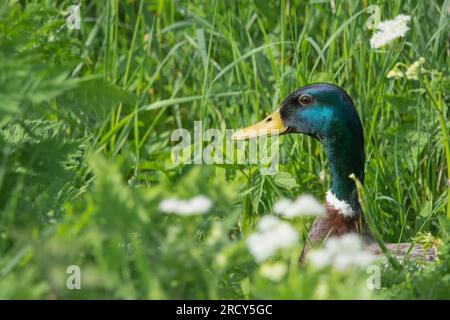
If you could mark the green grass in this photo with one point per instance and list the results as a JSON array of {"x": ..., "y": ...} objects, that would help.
[{"x": 85, "y": 123}]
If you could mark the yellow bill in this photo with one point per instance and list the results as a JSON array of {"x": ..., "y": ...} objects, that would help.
[{"x": 272, "y": 125}]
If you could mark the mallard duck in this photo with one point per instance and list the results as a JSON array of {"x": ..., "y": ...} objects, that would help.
[{"x": 326, "y": 113}]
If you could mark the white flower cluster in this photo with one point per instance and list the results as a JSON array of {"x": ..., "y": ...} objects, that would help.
[
  {"x": 197, "y": 205},
  {"x": 272, "y": 234},
  {"x": 341, "y": 253},
  {"x": 304, "y": 205},
  {"x": 389, "y": 30}
]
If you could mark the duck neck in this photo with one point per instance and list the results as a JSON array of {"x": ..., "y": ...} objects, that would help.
[{"x": 346, "y": 156}]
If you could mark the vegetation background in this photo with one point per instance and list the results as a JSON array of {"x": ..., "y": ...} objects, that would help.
[{"x": 85, "y": 153}]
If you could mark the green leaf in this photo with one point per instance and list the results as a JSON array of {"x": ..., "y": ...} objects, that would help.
[{"x": 93, "y": 100}]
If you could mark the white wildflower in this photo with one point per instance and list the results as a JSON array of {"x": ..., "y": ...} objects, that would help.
[
  {"x": 197, "y": 205},
  {"x": 390, "y": 30},
  {"x": 320, "y": 258},
  {"x": 282, "y": 206},
  {"x": 273, "y": 271},
  {"x": 415, "y": 69},
  {"x": 341, "y": 253},
  {"x": 169, "y": 205},
  {"x": 322, "y": 175},
  {"x": 304, "y": 205},
  {"x": 259, "y": 247},
  {"x": 272, "y": 235},
  {"x": 395, "y": 73},
  {"x": 364, "y": 258},
  {"x": 221, "y": 260},
  {"x": 200, "y": 204},
  {"x": 267, "y": 223},
  {"x": 308, "y": 205}
]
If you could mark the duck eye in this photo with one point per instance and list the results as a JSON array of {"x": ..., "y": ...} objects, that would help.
[{"x": 305, "y": 99}]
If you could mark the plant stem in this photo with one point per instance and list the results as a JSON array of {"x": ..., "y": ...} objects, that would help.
[
  {"x": 439, "y": 106},
  {"x": 371, "y": 224}
]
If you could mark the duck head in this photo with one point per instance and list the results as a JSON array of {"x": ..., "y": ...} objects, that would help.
[{"x": 326, "y": 113}]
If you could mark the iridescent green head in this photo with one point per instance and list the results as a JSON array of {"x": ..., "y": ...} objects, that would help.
[{"x": 326, "y": 113}]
